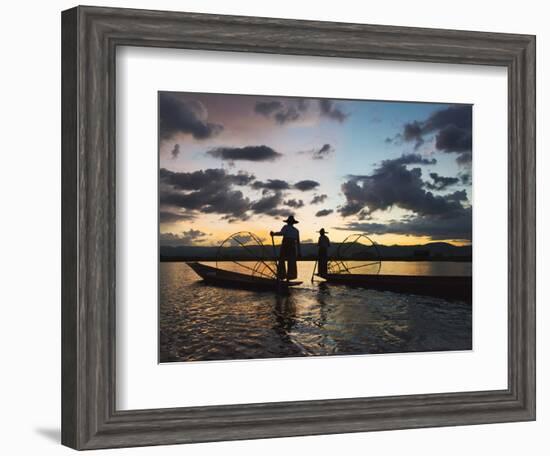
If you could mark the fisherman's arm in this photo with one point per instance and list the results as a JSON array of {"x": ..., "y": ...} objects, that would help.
[{"x": 298, "y": 246}]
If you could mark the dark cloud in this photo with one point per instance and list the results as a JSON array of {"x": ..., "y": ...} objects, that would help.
[
  {"x": 456, "y": 226},
  {"x": 323, "y": 152},
  {"x": 168, "y": 216},
  {"x": 283, "y": 111},
  {"x": 459, "y": 195},
  {"x": 249, "y": 153},
  {"x": 189, "y": 237},
  {"x": 453, "y": 139},
  {"x": 269, "y": 205},
  {"x": 393, "y": 184},
  {"x": 330, "y": 110},
  {"x": 206, "y": 191},
  {"x": 465, "y": 178},
  {"x": 175, "y": 151},
  {"x": 405, "y": 159},
  {"x": 210, "y": 200},
  {"x": 464, "y": 158},
  {"x": 324, "y": 212},
  {"x": 446, "y": 216},
  {"x": 289, "y": 110},
  {"x": 296, "y": 204},
  {"x": 271, "y": 184},
  {"x": 451, "y": 127},
  {"x": 413, "y": 159},
  {"x": 318, "y": 199},
  {"x": 294, "y": 111},
  {"x": 197, "y": 180},
  {"x": 267, "y": 107},
  {"x": 178, "y": 115},
  {"x": 306, "y": 185},
  {"x": 413, "y": 132},
  {"x": 441, "y": 182}
]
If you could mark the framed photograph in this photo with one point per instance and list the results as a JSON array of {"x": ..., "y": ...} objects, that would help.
[{"x": 280, "y": 228}]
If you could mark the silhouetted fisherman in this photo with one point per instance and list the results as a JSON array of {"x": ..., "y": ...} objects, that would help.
[
  {"x": 322, "y": 257},
  {"x": 290, "y": 249}
]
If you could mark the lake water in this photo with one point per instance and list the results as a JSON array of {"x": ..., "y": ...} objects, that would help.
[{"x": 200, "y": 322}]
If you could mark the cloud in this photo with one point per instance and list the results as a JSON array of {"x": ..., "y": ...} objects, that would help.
[
  {"x": 206, "y": 191},
  {"x": 319, "y": 154},
  {"x": 305, "y": 185},
  {"x": 271, "y": 184},
  {"x": 454, "y": 139},
  {"x": 324, "y": 212},
  {"x": 283, "y": 111},
  {"x": 292, "y": 110},
  {"x": 465, "y": 178},
  {"x": 413, "y": 132},
  {"x": 413, "y": 159},
  {"x": 459, "y": 195},
  {"x": 441, "y": 182},
  {"x": 210, "y": 200},
  {"x": 329, "y": 109},
  {"x": 179, "y": 115},
  {"x": 175, "y": 151},
  {"x": 456, "y": 226},
  {"x": 168, "y": 216},
  {"x": 269, "y": 205},
  {"x": 197, "y": 180},
  {"x": 318, "y": 199},
  {"x": 268, "y": 107},
  {"x": 451, "y": 127},
  {"x": 248, "y": 153},
  {"x": 464, "y": 158},
  {"x": 296, "y": 204},
  {"x": 215, "y": 191},
  {"x": 393, "y": 184},
  {"x": 189, "y": 237}
]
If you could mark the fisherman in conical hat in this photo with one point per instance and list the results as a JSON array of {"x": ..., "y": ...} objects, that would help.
[
  {"x": 290, "y": 249},
  {"x": 322, "y": 259}
]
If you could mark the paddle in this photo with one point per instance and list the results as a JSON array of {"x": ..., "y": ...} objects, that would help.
[{"x": 313, "y": 273}]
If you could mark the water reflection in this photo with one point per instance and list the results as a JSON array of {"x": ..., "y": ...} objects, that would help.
[
  {"x": 201, "y": 322},
  {"x": 284, "y": 312}
]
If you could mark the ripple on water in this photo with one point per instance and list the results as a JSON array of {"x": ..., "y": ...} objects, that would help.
[{"x": 201, "y": 322}]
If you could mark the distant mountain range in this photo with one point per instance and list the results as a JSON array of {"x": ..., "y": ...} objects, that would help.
[{"x": 440, "y": 251}]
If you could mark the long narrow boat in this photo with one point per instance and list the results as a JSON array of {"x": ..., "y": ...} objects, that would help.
[
  {"x": 450, "y": 287},
  {"x": 224, "y": 278}
]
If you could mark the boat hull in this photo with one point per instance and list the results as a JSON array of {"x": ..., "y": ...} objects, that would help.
[
  {"x": 449, "y": 287},
  {"x": 229, "y": 279}
]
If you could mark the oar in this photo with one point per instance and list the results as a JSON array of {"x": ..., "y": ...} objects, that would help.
[{"x": 313, "y": 273}]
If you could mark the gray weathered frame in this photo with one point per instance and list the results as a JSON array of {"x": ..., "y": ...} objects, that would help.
[{"x": 90, "y": 36}]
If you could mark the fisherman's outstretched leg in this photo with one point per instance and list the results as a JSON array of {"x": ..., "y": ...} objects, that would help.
[{"x": 281, "y": 269}]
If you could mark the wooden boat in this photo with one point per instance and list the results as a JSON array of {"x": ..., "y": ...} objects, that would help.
[
  {"x": 224, "y": 278},
  {"x": 450, "y": 287}
]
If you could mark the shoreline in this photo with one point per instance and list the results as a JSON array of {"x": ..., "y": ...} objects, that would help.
[{"x": 308, "y": 259}]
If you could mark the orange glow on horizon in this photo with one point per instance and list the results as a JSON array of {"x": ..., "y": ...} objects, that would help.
[{"x": 216, "y": 235}]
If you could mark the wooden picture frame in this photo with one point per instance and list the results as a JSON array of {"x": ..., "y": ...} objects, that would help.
[{"x": 90, "y": 36}]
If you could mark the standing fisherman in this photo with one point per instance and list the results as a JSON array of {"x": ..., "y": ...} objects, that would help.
[
  {"x": 323, "y": 244},
  {"x": 290, "y": 249}
]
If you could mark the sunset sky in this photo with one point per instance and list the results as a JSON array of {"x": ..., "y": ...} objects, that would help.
[{"x": 400, "y": 172}]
